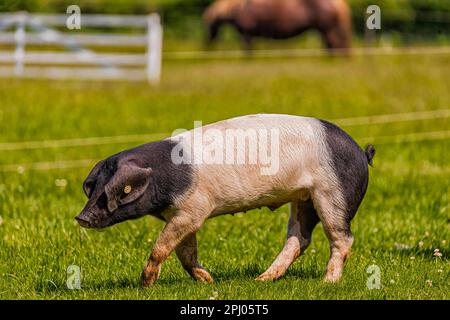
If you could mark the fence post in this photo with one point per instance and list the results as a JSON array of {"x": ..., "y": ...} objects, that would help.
[
  {"x": 19, "y": 37},
  {"x": 154, "y": 48}
]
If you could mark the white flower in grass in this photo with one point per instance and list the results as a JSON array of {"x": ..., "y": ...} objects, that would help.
[
  {"x": 392, "y": 281},
  {"x": 214, "y": 296},
  {"x": 437, "y": 253},
  {"x": 429, "y": 283},
  {"x": 420, "y": 244},
  {"x": 412, "y": 258},
  {"x": 440, "y": 270}
]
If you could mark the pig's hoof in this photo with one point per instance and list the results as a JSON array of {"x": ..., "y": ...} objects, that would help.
[
  {"x": 333, "y": 274},
  {"x": 202, "y": 275},
  {"x": 266, "y": 277},
  {"x": 330, "y": 278},
  {"x": 147, "y": 279}
]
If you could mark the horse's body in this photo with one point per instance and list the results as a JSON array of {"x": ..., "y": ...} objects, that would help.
[{"x": 282, "y": 19}]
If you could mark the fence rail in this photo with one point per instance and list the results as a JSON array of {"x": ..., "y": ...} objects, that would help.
[
  {"x": 44, "y": 58},
  {"x": 88, "y": 20},
  {"x": 101, "y": 65},
  {"x": 100, "y": 39}
]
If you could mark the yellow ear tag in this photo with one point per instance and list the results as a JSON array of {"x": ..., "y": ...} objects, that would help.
[{"x": 127, "y": 189}]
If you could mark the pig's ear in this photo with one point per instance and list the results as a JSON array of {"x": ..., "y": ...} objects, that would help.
[
  {"x": 128, "y": 184},
  {"x": 89, "y": 183}
]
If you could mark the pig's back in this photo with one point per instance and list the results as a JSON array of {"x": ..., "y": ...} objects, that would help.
[
  {"x": 289, "y": 127},
  {"x": 233, "y": 186}
]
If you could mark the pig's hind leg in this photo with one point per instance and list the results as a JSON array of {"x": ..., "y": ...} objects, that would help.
[
  {"x": 301, "y": 224},
  {"x": 188, "y": 256},
  {"x": 336, "y": 224}
]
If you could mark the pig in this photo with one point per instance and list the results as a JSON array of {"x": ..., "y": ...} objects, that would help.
[{"x": 321, "y": 172}]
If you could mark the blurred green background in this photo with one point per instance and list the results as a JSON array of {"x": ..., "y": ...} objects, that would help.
[{"x": 406, "y": 21}]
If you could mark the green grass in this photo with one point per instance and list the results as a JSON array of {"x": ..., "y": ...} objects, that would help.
[{"x": 404, "y": 217}]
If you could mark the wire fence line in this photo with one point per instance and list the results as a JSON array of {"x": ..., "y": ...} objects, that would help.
[
  {"x": 394, "y": 117},
  {"x": 94, "y": 141},
  {"x": 44, "y": 166},
  {"x": 408, "y": 137},
  {"x": 82, "y": 163},
  {"x": 79, "y": 142},
  {"x": 293, "y": 53}
]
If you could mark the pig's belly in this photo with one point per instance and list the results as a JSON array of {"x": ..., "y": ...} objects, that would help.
[{"x": 272, "y": 200}]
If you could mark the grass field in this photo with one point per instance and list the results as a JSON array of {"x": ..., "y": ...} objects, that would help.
[{"x": 403, "y": 219}]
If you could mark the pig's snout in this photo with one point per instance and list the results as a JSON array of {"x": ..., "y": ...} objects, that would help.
[{"x": 83, "y": 220}]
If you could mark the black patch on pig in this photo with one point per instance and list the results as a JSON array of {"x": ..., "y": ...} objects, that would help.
[
  {"x": 168, "y": 180},
  {"x": 350, "y": 165},
  {"x": 91, "y": 180}
]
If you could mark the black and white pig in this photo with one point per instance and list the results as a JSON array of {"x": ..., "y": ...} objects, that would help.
[{"x": 320, "y": 171}]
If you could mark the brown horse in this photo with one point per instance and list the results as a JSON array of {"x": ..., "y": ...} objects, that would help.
[{"x": 282, "y": 19}]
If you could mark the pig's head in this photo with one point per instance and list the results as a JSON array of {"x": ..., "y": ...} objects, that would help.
[
  {"x": 133, "y": 183},
  {"x": 117, "y": 190}
]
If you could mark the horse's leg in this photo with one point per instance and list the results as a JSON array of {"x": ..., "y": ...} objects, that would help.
[
  {"x": 335, "y": 41},
  {"x": 247, "y": 43}
]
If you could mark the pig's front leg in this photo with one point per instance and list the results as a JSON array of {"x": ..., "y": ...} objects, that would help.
[
  {"x": 176, "y": 230},
  {"x": 188, "y": 256}
]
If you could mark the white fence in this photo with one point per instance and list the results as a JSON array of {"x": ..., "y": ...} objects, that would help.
[{"x": 80, "y": 62}]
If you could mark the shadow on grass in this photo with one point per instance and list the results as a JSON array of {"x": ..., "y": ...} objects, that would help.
[
  {"x": 248, "y": 272},
  {"x": 132, "y": 282},
  {"x": 125, "y": 282},
  {"x": 304, "y": 273},
  {"x": 253, "y": 270},
  {"x": 48, "y": 286}
]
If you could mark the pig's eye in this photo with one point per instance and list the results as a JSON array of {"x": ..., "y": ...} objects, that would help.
[{"x": 127, "y": 189}]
